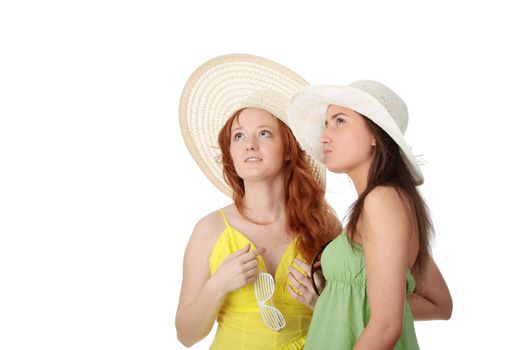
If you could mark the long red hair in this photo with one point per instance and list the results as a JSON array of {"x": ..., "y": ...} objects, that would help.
[{"x": 308, "y": 216}]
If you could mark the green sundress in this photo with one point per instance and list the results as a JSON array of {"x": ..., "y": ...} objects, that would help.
[{"x": 342, "y": 311}]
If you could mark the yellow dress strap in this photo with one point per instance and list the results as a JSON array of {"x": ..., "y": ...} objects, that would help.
[{"x": 224, "y": 218}]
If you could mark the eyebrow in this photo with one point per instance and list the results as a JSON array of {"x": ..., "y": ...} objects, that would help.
[
  {"x": 258, "y": 127},
  {"x": 335, "y": 116},
  {"x": 338, "y": 114}
]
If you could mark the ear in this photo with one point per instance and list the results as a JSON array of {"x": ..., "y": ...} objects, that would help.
[
  {"x": 287, "y": 156},
  {"x": 373, "y": 142}
]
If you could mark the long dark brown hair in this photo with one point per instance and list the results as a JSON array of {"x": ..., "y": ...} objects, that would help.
[
  {"x": 308, "y": 215},
  {"x": 389, "y": 169}
]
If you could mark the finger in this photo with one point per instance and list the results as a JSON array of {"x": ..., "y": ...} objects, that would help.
[
  {"x": 299, "y": 276},
  {"x": 250, "y": 265},
  {"x": 258, "y": 251},
  {"x": 293, "y": 270},
  {"x": 296, "y": 296},
  {"x": 319, "y": 279},
  {"x": 305, "y": 291},
  {"x": 252, "y": 255},
  {"x": 308, "y": 295},
  {"x": 297, "y": 285},
  {"x": 317, "y": 265},
  {"x": 250, "y": 280},
  {"x": 252, "y": 272},
  {"x": 318, "y": 276},
  {"x": 240, "y": 252},
  {"x": 304, "y": 266}
]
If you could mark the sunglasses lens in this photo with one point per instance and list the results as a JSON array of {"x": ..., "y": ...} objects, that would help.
[
  {"x": 272, "y": 318},
  {"x": 264, "y": 287}
]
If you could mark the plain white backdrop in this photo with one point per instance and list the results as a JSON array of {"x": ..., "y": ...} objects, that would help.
[{"x": 98, "y": 194}]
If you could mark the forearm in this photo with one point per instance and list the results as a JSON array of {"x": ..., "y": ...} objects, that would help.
[
  {"x": 195, "y": 320},
  {"x": 379, "y": 336},
  {"x": 424, "y": 309}
]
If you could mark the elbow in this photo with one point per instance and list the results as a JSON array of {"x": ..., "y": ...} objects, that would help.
[
  {"x": 182, "y": 336},
  {"x": 444, "y": 308},
  {"x": 447, "y": 310},
  {"x": 394, "y": 331},
  {"x": 184, "y": 341},
  {"x": 390, "y": 331}
]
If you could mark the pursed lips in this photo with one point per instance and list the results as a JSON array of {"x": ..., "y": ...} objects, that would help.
[{"x": 326, "y": 151}]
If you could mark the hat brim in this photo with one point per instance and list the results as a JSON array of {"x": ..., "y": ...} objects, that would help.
[
  {"x": 215, "y": 91},
  {"x": 307, "y": 110}
]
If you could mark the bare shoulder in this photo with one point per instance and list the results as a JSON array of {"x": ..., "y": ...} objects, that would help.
[
  {"x": 384, "y": 198},
  {"x": 210, "y": 223},
  {"x": 207, "y": 230},
  {"x": 385, "y": 210}
]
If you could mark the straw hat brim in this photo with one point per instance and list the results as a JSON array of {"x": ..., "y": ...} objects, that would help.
[{"x": 218, "y": 89}]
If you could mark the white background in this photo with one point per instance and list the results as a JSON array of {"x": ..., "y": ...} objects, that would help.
[{"x": 98, "y": 194}]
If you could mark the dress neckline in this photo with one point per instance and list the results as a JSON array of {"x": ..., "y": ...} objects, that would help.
[{"x": 243, "y": 236}]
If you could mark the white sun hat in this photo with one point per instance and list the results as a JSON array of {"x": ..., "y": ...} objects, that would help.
[
  {"x": 377, "y": 102},
  {"x": 221, "y": 87}
]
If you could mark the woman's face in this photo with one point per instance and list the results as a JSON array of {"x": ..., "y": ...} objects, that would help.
[
  {"x": 347, "y": 141},
  {"x": 256, "y": 145}
]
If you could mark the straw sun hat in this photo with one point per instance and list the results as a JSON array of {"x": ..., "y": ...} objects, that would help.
[
  {"x": 374, "y": 100},
  {"x": 223, "y": 86}
]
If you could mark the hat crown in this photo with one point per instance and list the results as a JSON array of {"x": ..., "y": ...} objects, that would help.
[
  {"x": 388, "y": 99},
  {"x": 272, "y": 101}
]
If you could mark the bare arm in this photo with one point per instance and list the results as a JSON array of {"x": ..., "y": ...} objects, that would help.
[
  {"x": 434, "y": 302},
  {"x": 386, "y": 233},
  {"x": 201, "y": 295}
]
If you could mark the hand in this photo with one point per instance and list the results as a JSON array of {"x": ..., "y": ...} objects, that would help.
[
  {"x": 303, "y": 283},
  {"x": 237, "y": 270}
]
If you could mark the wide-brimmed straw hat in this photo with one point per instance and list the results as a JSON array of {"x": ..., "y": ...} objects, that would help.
[
  {"x": 221, "y": 87},
  {"x": 377, "y": 102}
]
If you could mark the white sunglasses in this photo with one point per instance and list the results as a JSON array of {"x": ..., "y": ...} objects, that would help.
[{"x": 264, "y": 286}]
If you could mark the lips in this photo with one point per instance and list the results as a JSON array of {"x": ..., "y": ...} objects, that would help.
[{"x": 252, "y": 159}]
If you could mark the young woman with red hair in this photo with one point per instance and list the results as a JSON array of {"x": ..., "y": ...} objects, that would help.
[{"x": 246, "y": 265}]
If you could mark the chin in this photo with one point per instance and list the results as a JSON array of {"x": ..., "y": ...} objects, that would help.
[
  {"x": 253, "y": 174},
  {"x": 337, "y": 170},
  {"x": 249, "y": 175},
  {"x": 334, "y": 168}
]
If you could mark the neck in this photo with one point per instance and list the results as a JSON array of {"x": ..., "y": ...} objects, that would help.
[
  {"x": 264, "y": 200},
  {"x": 359, "y": 177}
]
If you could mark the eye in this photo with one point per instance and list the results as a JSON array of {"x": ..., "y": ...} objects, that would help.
[
  {"x": 238, "y": 136},
  {"x": 339, "y": 121},
  {"x": 265, "y": 133},
  {"x": 325, "y": 124}
]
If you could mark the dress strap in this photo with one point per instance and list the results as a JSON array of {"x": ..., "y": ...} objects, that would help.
[{"x": 224, "y": 218}]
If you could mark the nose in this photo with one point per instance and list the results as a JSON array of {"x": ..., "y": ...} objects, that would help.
[
  {"x": 325, "y": 137},
  {"x": 251, "y": 144}
]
